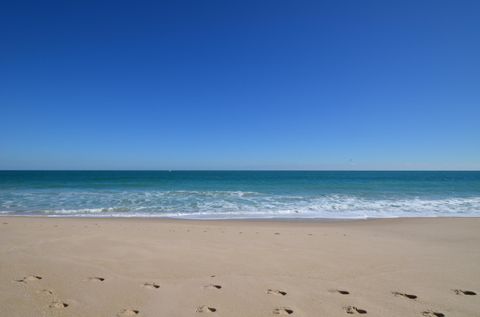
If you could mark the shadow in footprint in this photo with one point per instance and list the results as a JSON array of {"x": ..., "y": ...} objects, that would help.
[
  {"x": 339, "y": 291},
  {"x": 206, "y": 309},
  {"x": 58, "y": 305},
  {"x": 430, "y": 313},
  {"x": 128, "y": 312},
  {"x": 354, "y": 310},
  {"x": 30, "y": 278},
  {"x": 282, "y": 311},
  {"x": 464, "y": 292},
  {"x": 96, "y": 279},
  {"x": 276, "y": 292},
  {"x": 151, "y": 285},
  {"x": 409, "y": 296},
  {"x": 213, "y": 286}
]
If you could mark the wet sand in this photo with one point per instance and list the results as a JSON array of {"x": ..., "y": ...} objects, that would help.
[{"x": 154, "y": 267}]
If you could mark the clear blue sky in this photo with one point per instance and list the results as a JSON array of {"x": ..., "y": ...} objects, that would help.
[{"x": 240, "y": 84}]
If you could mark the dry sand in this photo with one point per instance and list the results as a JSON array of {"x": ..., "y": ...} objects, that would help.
[{"x": 152, "y": 267}]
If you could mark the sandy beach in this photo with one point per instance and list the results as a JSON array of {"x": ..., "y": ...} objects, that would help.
[{"x": 154, "y": 267}]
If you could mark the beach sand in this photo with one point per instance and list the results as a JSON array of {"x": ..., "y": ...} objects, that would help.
[{"x": 154, "y": 267}]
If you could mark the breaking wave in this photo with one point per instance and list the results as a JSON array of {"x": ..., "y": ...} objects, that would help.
[{"x": 230, "y": 204}]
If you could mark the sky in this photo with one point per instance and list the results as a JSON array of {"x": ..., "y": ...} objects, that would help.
[{"x": 245, "y": 84}]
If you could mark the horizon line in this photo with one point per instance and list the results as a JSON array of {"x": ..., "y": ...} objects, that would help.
[{"x": 239, "y": 170}]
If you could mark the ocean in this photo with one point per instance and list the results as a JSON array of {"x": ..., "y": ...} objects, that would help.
[{"x": 240, "y": 194}]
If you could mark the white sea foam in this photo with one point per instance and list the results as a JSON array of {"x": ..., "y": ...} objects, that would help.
[{"x": 231, "y": 204}]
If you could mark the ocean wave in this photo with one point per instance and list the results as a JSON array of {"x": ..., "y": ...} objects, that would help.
[{"x": 230, "y": 204}]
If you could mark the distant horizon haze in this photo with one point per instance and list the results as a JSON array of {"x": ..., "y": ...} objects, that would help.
[{"x": 239, "y": 170}]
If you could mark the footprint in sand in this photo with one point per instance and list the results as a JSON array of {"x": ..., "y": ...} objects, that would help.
[
  {"x": 276, "y": 233},
  {"x": 58, "y": 305},
  {"x": 30, "y": 278},
  {"x": 282, "y": 311},
  {"x": 213, "y": 286},
  {"x": 276, "y": 292},
  {"x": 151, "y": 285},
  {"x": 431, "y": 313},
  {"x": 45, "y": 292},
  {"x": 128, "y": 312},
  {"x": 354, "y": 310},
  {"x": 206, "y": 309},
  {"x": 464, "y": 292},
  {"x": 339, "y": 291},
  {"x": 96, "y": 279},
  {"x": 409, "y": 296}
]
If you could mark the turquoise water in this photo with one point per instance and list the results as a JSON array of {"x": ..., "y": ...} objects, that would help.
[{"x": 240, "y": 194}]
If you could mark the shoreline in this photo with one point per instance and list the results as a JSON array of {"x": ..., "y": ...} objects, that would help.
[
  {"x": 70, "y": 266},
  {"x": 247, "y": 219}
]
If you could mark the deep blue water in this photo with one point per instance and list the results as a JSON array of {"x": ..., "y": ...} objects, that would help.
[{"x": 237, "y": 194}]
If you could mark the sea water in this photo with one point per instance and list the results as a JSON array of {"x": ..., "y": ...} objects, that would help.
[{"x": 240, "y": 194}]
